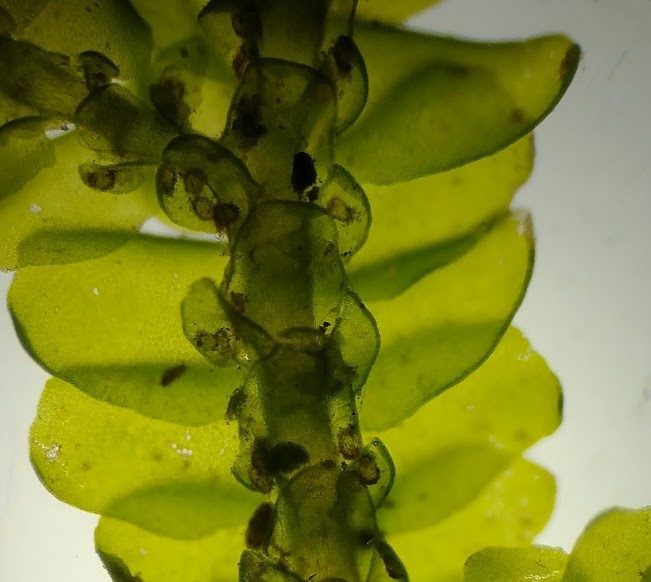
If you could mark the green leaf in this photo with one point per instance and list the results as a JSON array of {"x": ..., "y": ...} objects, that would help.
[
  {"x": 462, "y": 440},
  {"x": 391, "y": 11},
  {"x": 509, "y": 511},
  {"x": 112, "y": 28},
  {"x": 128, "y": 550},
  {"x": 167, "y": 478},
  {"x": 55, "y": 198},
  {"x": 442, "y": 328},
  {"x": 434, "y": 220},
  {"x": 25, "y": 151},
  {"x": 436, "y": 103},
  {"x": 171, "y": 20},
  {"x": 112, "y": 326},
  {"x": 614, "y": 546},
  {"x": 516, "y": 565},
  {"x": 43, "y": 80}
]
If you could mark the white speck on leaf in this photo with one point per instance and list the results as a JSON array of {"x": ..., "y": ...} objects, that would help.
[
  {"x": 35, "y": 208},
  {"x": 95, "y": 291},
  {"x": 52, "y": 452}
]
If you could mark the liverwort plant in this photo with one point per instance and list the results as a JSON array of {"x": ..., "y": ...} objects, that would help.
[{"x": 223, "y": 401}]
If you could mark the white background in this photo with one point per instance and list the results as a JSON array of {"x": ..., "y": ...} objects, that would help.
[{"x": 588, "y": 309}]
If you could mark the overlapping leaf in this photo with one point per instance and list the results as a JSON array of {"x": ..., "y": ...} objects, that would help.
[
  {"x": 390, "y": 11},
  {"x": 516, "y": 565},
  {"x": 460, "y": 483},
  {"x": 127, "y": 550},
  {"x": 167, "y": 478},
  {"x": 513, "y": 508},
  {"x": 112, "y": 326},
  {"x": 424, "y": 224},
  {"x": 46, "y": 193},
  {"x": 614, "y": 546},
  {"x": 72, "y": 27},
  {"x": 499, "y": 410},
  {"x": 442, "y": 328},
  {"x": 436, "y": 103}
]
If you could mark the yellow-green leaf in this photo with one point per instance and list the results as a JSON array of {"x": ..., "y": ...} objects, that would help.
[
  {"x": 171, "y": 20},
  {"x": 614, "y": 546},
  {"x": 516, "y": 565},
  {"x": 464, "y": 439},
  {"x": 168, "y": 478},
  {"x": 442, "y": 328},
  {"x": 426, "y": 214},
  {"x": 25, "y": 151},
  {"x": 436, "y": 103},
  {"x": 112, "y": 28},
  {"x": 128, "y": 550},
  {"x": 390, "y": 10},
  {"x": 509, "y": 511},
  {"x": 112, "y": 326},
  {"x": 55, "y": 198}
]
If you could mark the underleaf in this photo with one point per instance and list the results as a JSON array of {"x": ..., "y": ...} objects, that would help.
[
  {"x": 442, "y": 328},
  {"x": 425, "y": 224},
  {"x": 436, "y": 103},
  {"x": 112, "y": 326},
  {"x": 464, "y": 439},
  {"x": 154, "y": 558},
  {"x": 516, "y": 565},
  {"x": 53, "y": 197},
  {"x": 167, "y": 478},
  {"x": 509, "y": 511},
  {"x": 614, "y": 546}
]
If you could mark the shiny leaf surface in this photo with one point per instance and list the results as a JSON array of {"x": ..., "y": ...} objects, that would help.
[
  {"x": 112, "y": 326},
  {"x": 55, "y": 198},
  {"x": 446, "y": 325},
  {"x": 516, "y": 565},
  {"x": 167, "y": 478},
  {"x": 436, "y": 103}
]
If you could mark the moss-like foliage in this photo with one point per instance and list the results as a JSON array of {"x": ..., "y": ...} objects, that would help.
[{"x": 273, "y": 401}]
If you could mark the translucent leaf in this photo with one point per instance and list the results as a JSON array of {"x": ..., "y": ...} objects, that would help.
[
  {"x": 516, "y": 565},
  {"x": 125, "y": 548},
  {"x": 170, "y": 21},
  {"x": 346, "y": 202},
  {"x": 133, "y": 129},
  {"x": 436, "y": 103},
  {"x": 389, "y": 10},
  {"x": 25, "y": 151},
  {"x": 614, "y": 546},
  {"x": 111, "y": 28},
  {"x": 462, "y": 440},
  {"x": 509, "y": 511},
  {"x": 167, "y": 478},
  {"x": 112, "y": 326},
  {"x": 202, "y": 186},
  {"x": 442, "y": 328},
  {"x": 43, "y": 80},
  {"x": 57, "y": 199},
  {"x": 434, "y": 220}
]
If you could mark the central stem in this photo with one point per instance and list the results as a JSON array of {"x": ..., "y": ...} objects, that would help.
[{"x": 302, "y": 80}]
